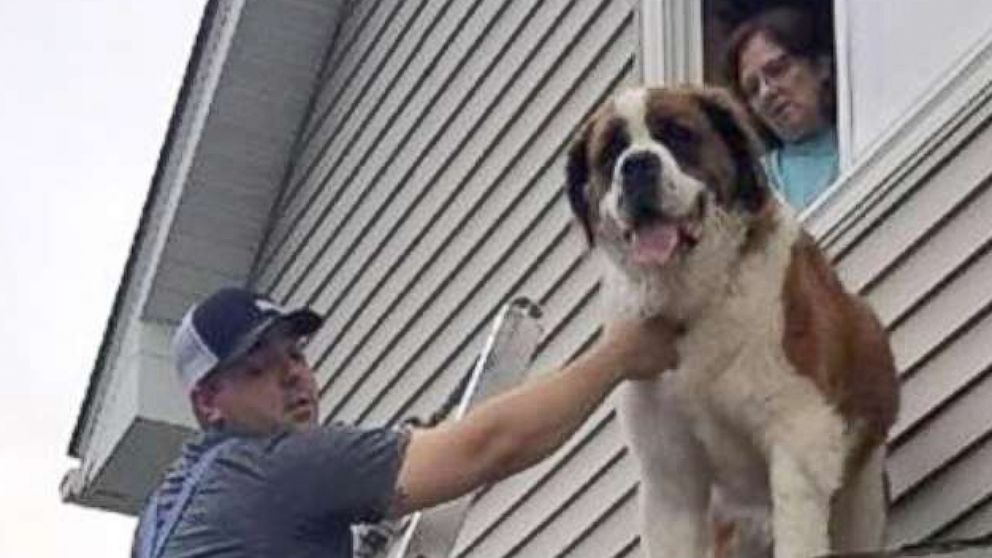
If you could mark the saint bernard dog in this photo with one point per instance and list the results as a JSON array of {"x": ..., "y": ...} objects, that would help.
[{"x": 769, "y": 438}]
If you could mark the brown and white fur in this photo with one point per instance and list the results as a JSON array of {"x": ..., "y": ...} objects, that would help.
[{"x": 769, "y": 438}]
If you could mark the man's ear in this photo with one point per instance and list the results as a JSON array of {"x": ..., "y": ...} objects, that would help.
[
  {"x": 577, "y": 177},
  {"x": 203, "y": 398},
  {"x": 730, "y": 120}
]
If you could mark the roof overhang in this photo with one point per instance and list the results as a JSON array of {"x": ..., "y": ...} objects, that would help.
[{"x": 246, "y": 92}]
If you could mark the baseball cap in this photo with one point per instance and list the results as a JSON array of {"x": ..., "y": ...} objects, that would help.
[{"x": 226, "y": 326}]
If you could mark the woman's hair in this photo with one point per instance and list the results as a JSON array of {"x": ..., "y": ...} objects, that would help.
[{"x": 799, "y": 33}]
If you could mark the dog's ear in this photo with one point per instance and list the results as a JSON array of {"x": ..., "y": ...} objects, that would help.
[
  {"x": 577, "y": 177},
  {"x": 730, "y": 120}
]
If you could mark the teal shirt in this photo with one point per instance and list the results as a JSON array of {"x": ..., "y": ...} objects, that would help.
[{"x": 801, "y": 171}]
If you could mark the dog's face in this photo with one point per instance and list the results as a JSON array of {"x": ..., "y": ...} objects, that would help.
[{"x": 668, "y": 181}]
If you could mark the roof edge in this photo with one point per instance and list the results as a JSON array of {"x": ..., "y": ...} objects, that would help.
[{"x": 199, "y": 47}]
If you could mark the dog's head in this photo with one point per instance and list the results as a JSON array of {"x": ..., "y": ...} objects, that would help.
[{"x": 656, "y": 171}]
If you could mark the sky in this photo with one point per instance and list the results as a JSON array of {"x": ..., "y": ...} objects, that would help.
[{"x": 87, "y": 90}]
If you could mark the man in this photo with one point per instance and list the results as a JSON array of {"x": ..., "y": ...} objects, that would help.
[{"x": 265, "y": 480}]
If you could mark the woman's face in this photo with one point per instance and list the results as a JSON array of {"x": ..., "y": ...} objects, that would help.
[{"x": 782, "y": 89}]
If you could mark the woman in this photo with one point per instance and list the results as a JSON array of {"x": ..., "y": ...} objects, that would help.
[{"x": 780, "y": 63}]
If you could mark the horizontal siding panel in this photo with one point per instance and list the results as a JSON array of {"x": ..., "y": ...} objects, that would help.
[
  {"x": 353, "y": 140},
  {"x": 632, "y": 550},
  {"x": 357, "y": 33},
  {"x": 572, "y": 315},
  {"x": 511, "y": 511},
  {"x": 354, "y": 43},
  {"x": 912, "y": 221},
  {"x": 587, "y": 509},
  {"x": 959, "y": 488},
  {"x": 615, "y": 532},
  {"x": 943, "y": 314},
  {"x": 455, "y": 310},
  {"x": 464, "y": 237},
  {"x": 977, "y": 523},
  {"x": 372, "y": 31},
  {"x": 942, "y": 252},
  {"x": 433, "y": 174},
  {"x": 353, "y": 107},
  {"x": 554, "y": 349},
  {"x": 364, "y": 170},
  {"x": 384, "y": 183},
  {"x": 926, "y": 267},
  {"x": 942, "y": 438},
  {"x": 464, "y": 347},
  {"x": 938, "y": 380}
]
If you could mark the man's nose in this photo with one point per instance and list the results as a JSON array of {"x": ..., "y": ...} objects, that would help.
[{"x": 294, "y": 371}]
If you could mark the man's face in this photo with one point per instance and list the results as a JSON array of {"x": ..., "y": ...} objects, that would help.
[{"x": 270, "y": 388}]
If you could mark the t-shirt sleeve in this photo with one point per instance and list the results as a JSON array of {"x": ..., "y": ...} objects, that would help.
[{"x": 337, "y": 472}]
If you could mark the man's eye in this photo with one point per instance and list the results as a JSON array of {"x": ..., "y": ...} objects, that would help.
[{"x": 297, "y": 354}]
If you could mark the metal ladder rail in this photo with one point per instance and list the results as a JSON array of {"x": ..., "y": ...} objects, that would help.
[{"x": 503, "y": 362}]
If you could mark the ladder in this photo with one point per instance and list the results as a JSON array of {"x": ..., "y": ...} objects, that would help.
[{"x": 503, "y": 363}]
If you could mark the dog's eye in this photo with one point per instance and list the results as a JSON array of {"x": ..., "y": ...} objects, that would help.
[
  {"x": 683, "y": 141},
  {"x": 615, "y": 144},
  {"x": 671, "y": 132}
]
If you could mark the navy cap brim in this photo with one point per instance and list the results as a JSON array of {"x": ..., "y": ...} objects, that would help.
[{"x": 301, "y": 323}]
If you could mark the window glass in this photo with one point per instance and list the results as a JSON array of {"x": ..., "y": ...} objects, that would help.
[{"x": 898, "y": 50}]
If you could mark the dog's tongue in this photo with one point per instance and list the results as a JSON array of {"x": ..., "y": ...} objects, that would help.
[{"x": 655, "y": 244}]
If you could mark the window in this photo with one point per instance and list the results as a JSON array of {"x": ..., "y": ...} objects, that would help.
[
  {"x": 898, "y": 51},
  {"x": 891, "y": 58}
]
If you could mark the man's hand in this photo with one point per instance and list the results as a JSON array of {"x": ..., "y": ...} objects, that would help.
[{"x": 640, "y": 348}]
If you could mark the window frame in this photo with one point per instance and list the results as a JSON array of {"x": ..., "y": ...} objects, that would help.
[{"x": 926, "y": 134}]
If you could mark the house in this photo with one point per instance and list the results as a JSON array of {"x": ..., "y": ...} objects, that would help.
[{"x": 398, "y": 165}]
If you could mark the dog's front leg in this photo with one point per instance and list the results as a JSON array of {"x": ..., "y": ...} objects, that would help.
[
  {"x": 675, "y": 521},
  {"x": 675, "y": 478},
  {"x": 800, "y": 508}
]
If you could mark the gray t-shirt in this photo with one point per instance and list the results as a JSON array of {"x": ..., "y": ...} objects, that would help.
[{"x": 291, "y": 494}]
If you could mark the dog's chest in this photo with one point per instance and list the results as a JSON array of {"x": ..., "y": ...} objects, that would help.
[
  {"x": 735, "y": 385},
  {"x": 733, "y": 371}
]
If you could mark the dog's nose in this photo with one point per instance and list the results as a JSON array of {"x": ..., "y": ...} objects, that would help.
[
  {"x": 640, "y": 170},
  {"x": 639, "y": 174}
]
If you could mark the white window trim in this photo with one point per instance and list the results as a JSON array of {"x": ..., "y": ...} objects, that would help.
[
  {"x": 671, "y": 41},
  {"x": 842, "y": 79},
  {"x": 928, "y": 133}
]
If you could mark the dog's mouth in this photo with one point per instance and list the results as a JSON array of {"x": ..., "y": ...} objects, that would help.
[{"x": 657, "y": 240}]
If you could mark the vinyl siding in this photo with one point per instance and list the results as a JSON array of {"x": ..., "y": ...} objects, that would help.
[
  {"x": 925, "y": 267},
  {"x": 427, "y": 190}
]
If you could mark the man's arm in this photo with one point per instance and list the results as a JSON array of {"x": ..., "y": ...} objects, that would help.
[{"x": 523, "y": 426}]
